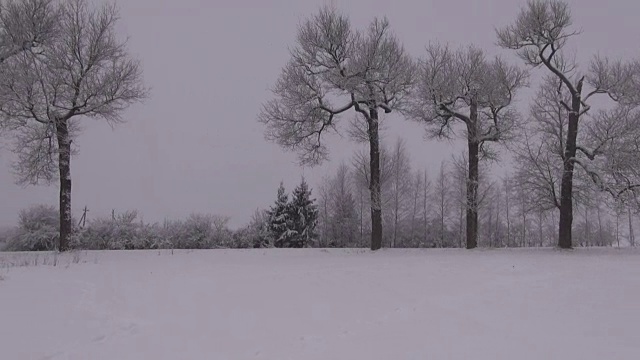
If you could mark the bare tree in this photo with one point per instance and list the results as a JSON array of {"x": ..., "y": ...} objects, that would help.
[
  {"x": 426, "y": 193},
  {"x": 361, "y": 70},
  {"x": 463, "y": 86},
  {"x": 416, "y": 207},
  {"x": 81, "y": 71},
  {"x": 400, "y": 187},
  {"x": 442, "y": 198},
  {"x": 507, "y": 204},
  {"x": 539, "y": 36},
  {"x": 343, "y": 220}
]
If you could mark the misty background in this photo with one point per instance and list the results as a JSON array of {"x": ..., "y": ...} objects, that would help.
[{"x": 195, "y": 145}]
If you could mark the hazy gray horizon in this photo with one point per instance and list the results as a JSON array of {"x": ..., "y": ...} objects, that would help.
[{"x": 196, "y": 146}]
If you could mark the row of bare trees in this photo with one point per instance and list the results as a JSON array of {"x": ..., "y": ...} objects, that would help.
[
  {"x": 334, "y": 69},
  {"x": 61, "y": 62},
  {"x": 421, "y": 209}
]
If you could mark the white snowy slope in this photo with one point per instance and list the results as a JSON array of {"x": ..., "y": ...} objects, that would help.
[{"x": 318, "y": 304}]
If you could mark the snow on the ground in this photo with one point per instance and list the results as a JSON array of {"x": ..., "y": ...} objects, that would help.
[{"x": 323, "y": 304}]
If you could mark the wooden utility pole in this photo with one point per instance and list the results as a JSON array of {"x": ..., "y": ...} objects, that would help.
[{"x": 83, "y": 219}]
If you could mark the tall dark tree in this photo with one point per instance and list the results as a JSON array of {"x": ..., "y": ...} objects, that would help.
[
  {"x": 304, "y": 215},
  {"x": 334, "y": 69},
  {"x": 606, "y": 147},
  {"x": 464, "y": 87},
  {"x": 79, "y": 70}
]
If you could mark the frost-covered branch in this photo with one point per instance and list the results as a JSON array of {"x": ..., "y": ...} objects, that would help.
[
  {"x": 539, "y": 34},
  {"x": 331, "y": 63},
  {"x": 450, "y": 81}
]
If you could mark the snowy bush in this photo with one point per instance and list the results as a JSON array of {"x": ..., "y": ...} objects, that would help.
[
  {"x": 198, "y": 231},
  {"x": 37, "y": 230},
  {"x": 121, "y": 232}
]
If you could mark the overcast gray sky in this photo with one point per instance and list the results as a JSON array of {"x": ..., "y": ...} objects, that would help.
[{"x": 195, "y": 145}]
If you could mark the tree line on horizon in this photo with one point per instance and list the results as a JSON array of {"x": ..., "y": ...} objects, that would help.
[
  {"x": 61, "y": 63},
  {"x": 420, "y": 210}
]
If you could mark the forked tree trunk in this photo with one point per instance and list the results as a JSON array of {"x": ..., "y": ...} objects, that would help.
[
  {"x": 566, "y": 189},
  {"x": 374, "y": 183},
  {"x": 64, "y": 161}
]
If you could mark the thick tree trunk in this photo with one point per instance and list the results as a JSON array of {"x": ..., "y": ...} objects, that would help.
[
  {"x": 463, "y": 205},
  {"x": 472, "y": 183},
  {"x": 64, "y": 161},
  {"x": 374, "y": 182},
  {"x": 566, "y": 189},
  {"x": 472, "y": 196}
]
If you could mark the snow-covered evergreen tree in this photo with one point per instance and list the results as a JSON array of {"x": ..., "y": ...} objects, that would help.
[
  {"x": 280, "y": 220},
  {"x": 304, "y": 214}
]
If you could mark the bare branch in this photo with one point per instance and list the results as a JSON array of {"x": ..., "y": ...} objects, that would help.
[
  {"x": 450, "y": 81},
  {"x": 539, "y": 35}
]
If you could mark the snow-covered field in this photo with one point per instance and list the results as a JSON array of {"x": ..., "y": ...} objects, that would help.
[{"x": 322, "y": 304}]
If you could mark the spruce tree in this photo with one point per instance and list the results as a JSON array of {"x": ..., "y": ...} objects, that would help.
[
  {"x": 304, "y": 215},
  {"x": 280, "y": 221}
]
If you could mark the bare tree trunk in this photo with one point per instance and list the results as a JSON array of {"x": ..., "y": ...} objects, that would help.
[
  {"x": 508, "y": 205},
  {"x": 618, "y": 227},
  {"x": 461, "y": 212},
  {"x": 374, "y": 184},
  {"x": 361, "y": 217},
  {"x": 425, "y": 201},
  {"x": 587, "y": 229},
  {"x": 566, "y": 188},
  {"x": 523, "y": 209},
  {"x": 415, "y": 207},
  {"x": 395, "y": 218},
  {"x": 472, "y": 185},
  {"x": 540, "y": 236},
  {"x": 442, "y": 224},
  {"x": 632, "y": 240},
  {"x": 490, "y": 227},
  {"x": 496, "y": 232},
  {"x": 64, "y": 166},
  {"x": 600, "y": 241}
]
